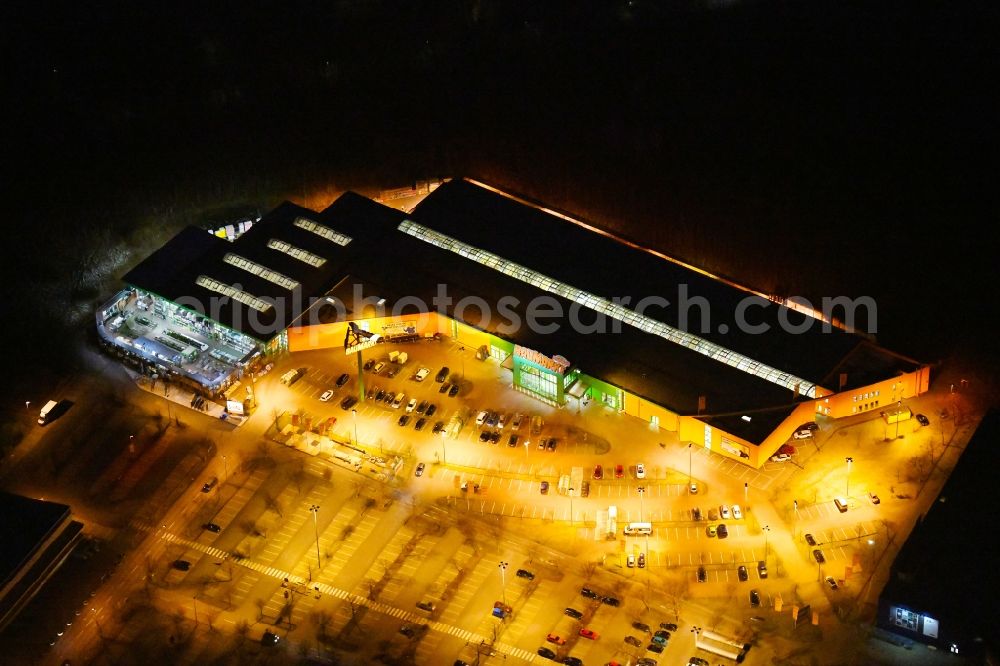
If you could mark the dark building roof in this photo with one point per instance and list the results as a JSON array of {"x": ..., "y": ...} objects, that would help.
[
  {"x": 945, "y": 568},
  {"x": 172, "y": 271},
  {"x": 604, "y": 266},
  {"x": 27, "y": 524}
]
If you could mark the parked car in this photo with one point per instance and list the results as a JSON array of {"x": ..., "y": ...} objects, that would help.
[
  {"x": 369, "y": 364},
  {"x": 544, "y": 488},
  {"x": 397, "y": 402},
  {"x": 589, "y": 593},
  {"x": 661, "y": 637},
  {"x": 724, "y": 512},
  {"x": 208, "y": 485},
  {"x": 762, "y": 569},
  {"x": 410, "y": 406},
  {"x": 425, "y": 605},
  {"x": 438, "y": 427},
  {"x": 633, "y": 641},
  {"x": 702, "y": 574},
  {"x": 495, "y": 436},
  {"x": 524, "y": 573},
  {"x": 484, "y": 436},
  {"x": 742, "y": 574},
  {"x": 444, "y": 388},
  {"x": 655, "y": 647},
  {"x": 630, "y": 560},
  {"x": 572, "y": 661},
  {"x": 598, "y": 472},
  {"x": 421, "y": 374},
  {"x": 711, "y": 530},
  {"x": 874, "y": 498},
  {"x": 422, "y": 407},
  {"x": 696, "y": 513},
  {"x": 619, "y": 471},
  {"x": 713, "y": 514},
  {"x": 722, "y": 531},
  {"x": 212, "y": 527},
  {"x": 641, "y": 626},
  {"x": 182, "y": 565},
  {"x": 818, "y": 554},
  {"x": 640, "y": 471},
  {"x": 348, "y": 402},
  {"x": 431, "y": 408},
  {"x": 551, "y": 446},
  {"x": 804, "y": 433},
  {"x": 547, "y": 653},
  {"x": 327, "y": 394},
  {"x": 831, "y": 582},
  {"x": 641, "y": 561},
  {"x": 442, "y": 375},
  {"x": 512, "y": 440},
  {"x": 589, "y": 633},
  {"x": 611, "y": 601},
  {"x": 693, "y": 488},
  {"x": 379, "y": 394},
  {"x": 343, "y": 379},
  {"x": 392, "y": 371},
  {"x": 501, "y": 420},
  {"x": 573, "y": 613},
  {"x": 481, "y": 418},
  {"x": 754, "y": 598},
  {"x": 420, "y": 469},
  {"x": 556, "y": 638},
  {"x": 923, "y": 420},
  {"x": 697, "y": 661},
  {"x": 419, "y": 425},
  {"x": 668, "y": 626},
  {"x": 403, "y": 419},
  {"x": 810, "y": 540},
  {"x": 378, "y": 367},
  {"x": 780, "y": 457},
  {"x": 737, "y": 512}
]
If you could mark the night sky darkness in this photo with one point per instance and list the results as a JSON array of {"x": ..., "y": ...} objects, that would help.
[{"x": 819, "y": 148}]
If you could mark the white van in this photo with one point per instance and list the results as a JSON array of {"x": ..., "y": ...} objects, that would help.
[{"x": 640, "y": 529}]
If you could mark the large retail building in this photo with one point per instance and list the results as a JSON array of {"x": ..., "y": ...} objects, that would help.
[{"x": 489, "y": 270}]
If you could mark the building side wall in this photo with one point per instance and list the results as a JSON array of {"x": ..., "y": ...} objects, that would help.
[
  {"x": 718, "y": 441},
  {"x": 325, "y": 336},
  {"x": 875, "y": 397}
]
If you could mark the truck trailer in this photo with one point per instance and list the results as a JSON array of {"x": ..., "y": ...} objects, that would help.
[{"x": 47, "y": 412}]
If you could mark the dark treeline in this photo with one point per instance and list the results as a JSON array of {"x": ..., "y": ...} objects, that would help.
[{"x": 816, "y": 148}]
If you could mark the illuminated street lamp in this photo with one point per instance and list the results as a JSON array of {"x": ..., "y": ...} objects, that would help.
[
  {"x": 570, "y": 493},
  {"x": 27, "y": 404},
  {"x": 354, "y": 413},
  {"x": 315, "y": 510},
  {"x": 849, "y": 460},
  {"x": 689, "y": 465},
  {"x": 766, "y": 531},
  {"x": 503, "y": 583},
  {"x": 225, "y": 467}
]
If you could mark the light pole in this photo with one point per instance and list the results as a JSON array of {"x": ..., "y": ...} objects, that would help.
[
  {"x": 642, "y": 492},
  {"x": 689, "y": 465},
  {"x": 354, "y": 414},
  {"x": 766, "y": 530},
  {"x": 225, "y": 467},
  {"x": 503, "y": 584},
  {"x": 570, "y": 492},
  {"x": 315, "y": 510},
  {"x": 746, "y": 491},
  {"x": 847, "y": 493},
  {"x": 27, "y": 405},
  {"x": 696, "y": 631}
]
